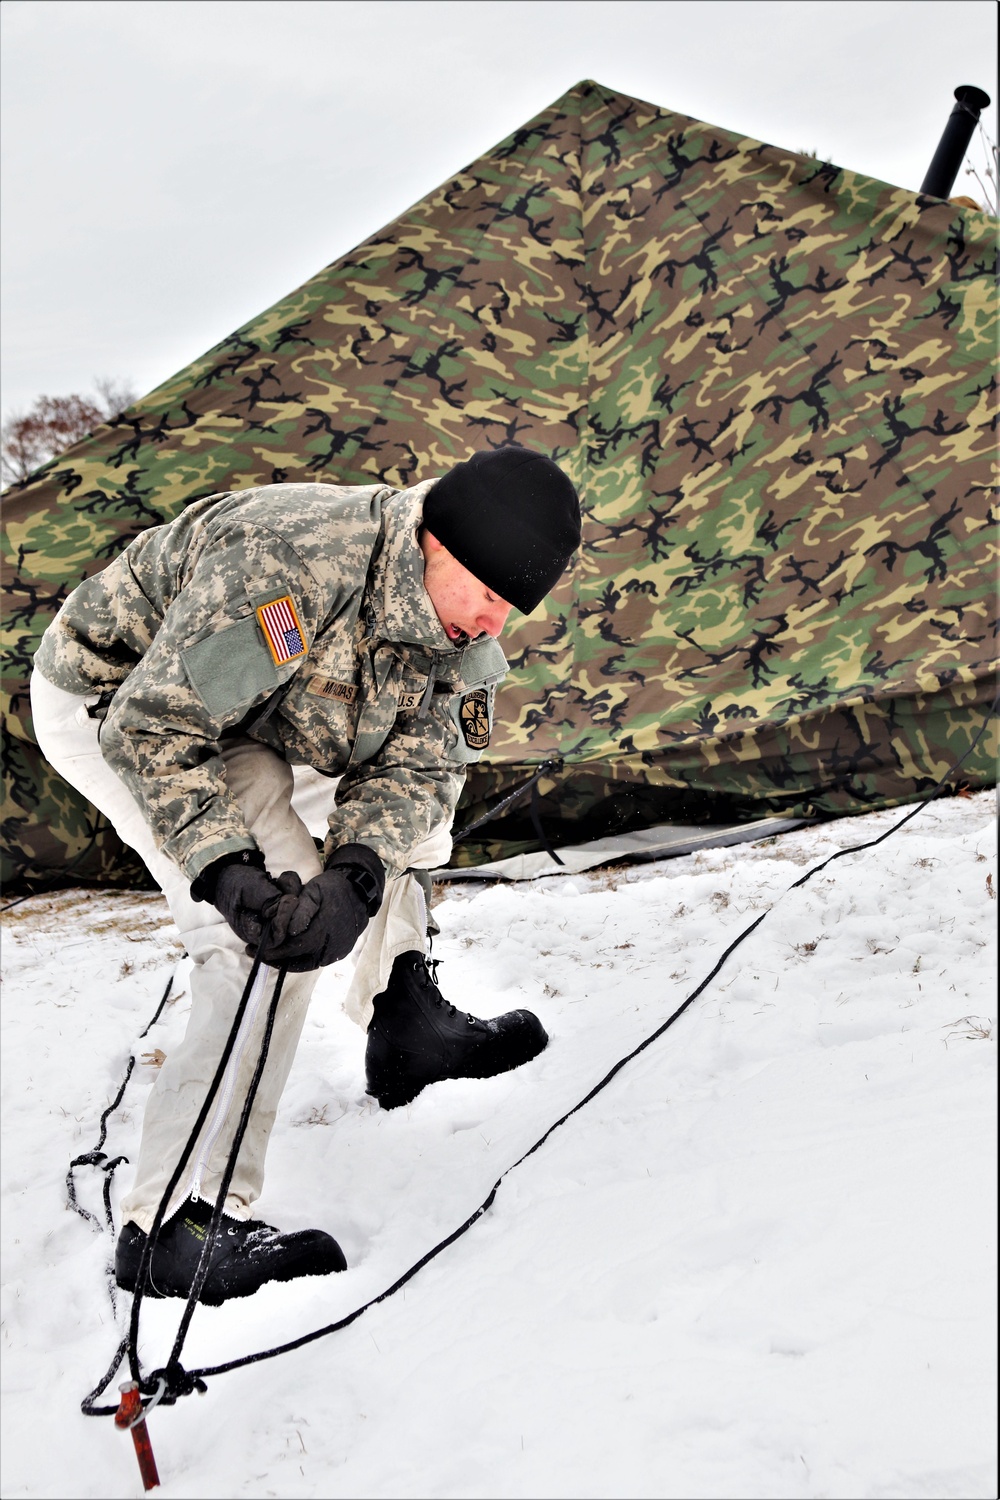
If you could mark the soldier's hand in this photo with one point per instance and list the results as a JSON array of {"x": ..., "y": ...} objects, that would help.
[
  {"x": 250, "y": 900},
  {"x": 332, "y": 911}
]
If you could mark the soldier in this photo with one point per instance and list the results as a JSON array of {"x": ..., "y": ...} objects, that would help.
[{"x": 348, "y": 628}]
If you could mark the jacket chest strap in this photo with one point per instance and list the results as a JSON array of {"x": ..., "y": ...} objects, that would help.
[{"x": 425, "y": 701}]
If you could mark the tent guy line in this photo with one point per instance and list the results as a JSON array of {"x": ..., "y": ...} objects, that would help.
[
  {"x": 168, "y": 1383},
  {"x": 96, "y": 1156}
]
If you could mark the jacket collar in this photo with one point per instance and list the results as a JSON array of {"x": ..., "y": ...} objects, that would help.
[{"x": 403, "y": 610}]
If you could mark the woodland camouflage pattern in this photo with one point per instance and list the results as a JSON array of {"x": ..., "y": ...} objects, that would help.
[
  {"x": 372, "y": 690},
  {"x": 771, "y": 380}
]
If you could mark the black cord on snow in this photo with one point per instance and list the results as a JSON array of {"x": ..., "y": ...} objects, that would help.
[
  {"x": 173, "y": 1363},
  {"x": 210, "y": 1237},
  {"x": 96, "y": 1157},
  {"x": 108, "y": 1165},
  {"x": 175, "y": 1380},
  {"x": 181, "y": 1382},
  {"x": 10, "y": 904}
]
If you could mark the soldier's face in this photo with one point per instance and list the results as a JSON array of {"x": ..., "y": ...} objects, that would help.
[{"x": 464, "y": 606}]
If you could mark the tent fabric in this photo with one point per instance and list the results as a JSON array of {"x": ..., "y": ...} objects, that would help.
[
  {"x": 641, "y": 845},
  {"x": 771, "y": 380},
  {"x": 311, "y": 799}
]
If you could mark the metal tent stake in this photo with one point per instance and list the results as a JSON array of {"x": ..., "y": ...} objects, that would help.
[{"x": 130, "y": 1416}]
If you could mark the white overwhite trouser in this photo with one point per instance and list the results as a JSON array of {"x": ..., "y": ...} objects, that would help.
[{"x": 263, "y": 785}]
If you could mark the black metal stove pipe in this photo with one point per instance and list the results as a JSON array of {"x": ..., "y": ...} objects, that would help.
[{"x": 954, "y": 142}]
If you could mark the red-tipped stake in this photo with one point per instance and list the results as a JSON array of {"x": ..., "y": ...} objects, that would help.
[{"x": 129, "y": 1415}]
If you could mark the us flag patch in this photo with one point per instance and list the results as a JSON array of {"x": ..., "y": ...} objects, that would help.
[{"x": 282, "y": 629}]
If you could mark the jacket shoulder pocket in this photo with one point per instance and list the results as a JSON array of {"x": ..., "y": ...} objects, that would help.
[
  {"x": 483, "y": 663},
  {"x": 230, "y": 669}
]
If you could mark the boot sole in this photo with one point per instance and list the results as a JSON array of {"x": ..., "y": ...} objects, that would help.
[
  {"x": 209, "y": 1298},
  {"x": 397, "y": 1098}
]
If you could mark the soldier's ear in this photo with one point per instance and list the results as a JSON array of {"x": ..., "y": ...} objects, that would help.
[{"x": 428, "y": 542}]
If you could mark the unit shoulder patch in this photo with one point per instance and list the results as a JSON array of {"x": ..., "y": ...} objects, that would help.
[
  {"x": 282, "y": 629},
  {"x": 474, "y": 717}
]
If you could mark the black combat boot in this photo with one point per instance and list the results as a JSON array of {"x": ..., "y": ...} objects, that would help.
[
  {"x": 246, "y": 1254},
  {"x": 415, "y": 1037}
]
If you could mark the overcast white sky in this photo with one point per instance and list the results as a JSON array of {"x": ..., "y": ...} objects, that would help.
[{"x": 172, "y": 167}]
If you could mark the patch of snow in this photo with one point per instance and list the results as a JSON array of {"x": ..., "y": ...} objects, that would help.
[{"x": 759, "y": 1263}]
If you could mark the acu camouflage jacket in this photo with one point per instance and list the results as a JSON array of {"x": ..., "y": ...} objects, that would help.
[{"x": 297, "y": 614}]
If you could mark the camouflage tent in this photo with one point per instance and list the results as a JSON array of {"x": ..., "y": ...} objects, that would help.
[{"x": 771, "y": 379}]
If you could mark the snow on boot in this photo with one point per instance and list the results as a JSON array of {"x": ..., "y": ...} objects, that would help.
[
  {"x": 246, "y": 1254},
  {"x": 416, "y": 1037}
]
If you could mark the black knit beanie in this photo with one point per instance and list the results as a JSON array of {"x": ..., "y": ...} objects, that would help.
[{"x": 511, "y": 517}]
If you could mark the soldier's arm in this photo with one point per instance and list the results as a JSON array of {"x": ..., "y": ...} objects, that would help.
[{"x": 208, "y": 665}]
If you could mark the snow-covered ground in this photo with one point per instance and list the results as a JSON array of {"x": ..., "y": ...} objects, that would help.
[{"x": 760, "y": 1263}]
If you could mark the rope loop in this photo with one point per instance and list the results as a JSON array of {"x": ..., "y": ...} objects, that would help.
[
  {"x": 89, "y": 1159},
  {"x": 169, "y": 1384},
  {"x": 144, "y": 1411}
]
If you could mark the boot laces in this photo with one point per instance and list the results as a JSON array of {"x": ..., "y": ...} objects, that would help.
[{"x": 430, "y": 972}]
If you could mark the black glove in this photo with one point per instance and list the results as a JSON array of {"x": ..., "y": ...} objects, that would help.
[
  {"x": 332, "y": 911},
  {"x": 241, "y": 889}
]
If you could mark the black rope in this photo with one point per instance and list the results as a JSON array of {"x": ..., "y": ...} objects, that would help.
[
  {"x": 157, "y": 1013},
  {"x": 538, "y": 826},
  {"x": 227, "y": 1177},
  {"x": 87, "y": 1404},
  {"x": 511, "y": 797},
  {"x": 177, "y": 1381},
  {"x": 96, "y": 1156},
  {"x": 159, "y": 1216},
  {"x": 308, "y": 1338},
  {"x": 11, "y": 904},
  {"x": 181, "y": 1382}
]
